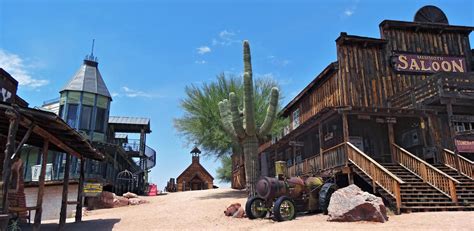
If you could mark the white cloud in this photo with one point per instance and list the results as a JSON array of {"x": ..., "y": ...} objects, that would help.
[
  {"x": 132, "y": 93},
  {"x": 277, "y": 61},
  {"x": 349, "y": 12},
  {"x": 203, "y": 50},
  {"x": 16, "y": 66},
  {"x": 225, "y": 38},
  {"x": 200, "y": 61}
]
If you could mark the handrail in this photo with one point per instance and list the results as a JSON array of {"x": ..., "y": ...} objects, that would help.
[
  {"x": 466, "y": 166},
  {"x": 429, "y": 174},
  {"x": 379, "y": 174},
  {"x": 334, "y": 157},
  {"x": 333, "y": 147}
]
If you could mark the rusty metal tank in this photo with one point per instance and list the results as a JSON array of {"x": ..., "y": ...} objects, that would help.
[{"x": 268, "y": 188}]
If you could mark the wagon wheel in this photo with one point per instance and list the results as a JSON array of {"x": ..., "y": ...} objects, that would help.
[
  {"x": 255, "y": 208},
  {"x": 284, "y": 209},
  {"x": 325, "y": 196}
]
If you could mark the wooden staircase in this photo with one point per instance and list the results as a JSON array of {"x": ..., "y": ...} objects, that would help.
[
  {"x": 464, "y": 190},
  {"x": 419, "y": 196},
  {"x": 412, "y": 185}
]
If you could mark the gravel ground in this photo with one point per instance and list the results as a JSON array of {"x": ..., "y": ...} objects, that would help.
[{"x": 204, "y": 210}]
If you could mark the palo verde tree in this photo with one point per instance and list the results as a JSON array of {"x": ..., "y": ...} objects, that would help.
[{"x": 240, "y": 123}]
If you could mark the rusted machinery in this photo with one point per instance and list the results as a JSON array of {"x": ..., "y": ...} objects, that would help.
[{"x": 283, "y": 197}]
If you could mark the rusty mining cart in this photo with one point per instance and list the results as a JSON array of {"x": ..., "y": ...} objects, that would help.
[{"x": 283, "y": 197}]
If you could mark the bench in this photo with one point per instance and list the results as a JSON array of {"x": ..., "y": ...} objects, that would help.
[{"x": 18, "y": 210}]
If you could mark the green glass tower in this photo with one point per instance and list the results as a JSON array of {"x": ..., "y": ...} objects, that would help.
[{"x": 85, "y": 101}]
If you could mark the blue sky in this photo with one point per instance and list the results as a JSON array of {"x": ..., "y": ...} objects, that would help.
[{"x": 150, "y": 50}]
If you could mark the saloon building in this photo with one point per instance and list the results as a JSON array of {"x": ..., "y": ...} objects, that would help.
[{"x": 394, "y": 115}]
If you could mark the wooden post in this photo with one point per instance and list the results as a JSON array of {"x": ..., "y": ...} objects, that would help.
[
  {"x": 63, "y": 214},
  {"x": 391, "y": 141},
  {"x": 320, "y": 130},
  {"x": 9, "y": 150},
  {"x": 435, "y": 134},
  {"x": 345, "y": 127},
  {"x": 345, "y": 132},
  {"x": 449, "y": 109},
  {"x": 39, "y": 198},
  {"x": 80, "y": 189}
]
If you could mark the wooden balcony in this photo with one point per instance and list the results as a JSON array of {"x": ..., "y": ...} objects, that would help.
[{"x": 435, "y": 89}]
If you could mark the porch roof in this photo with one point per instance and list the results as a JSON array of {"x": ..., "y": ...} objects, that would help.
[{"x": 47, "y": 125}]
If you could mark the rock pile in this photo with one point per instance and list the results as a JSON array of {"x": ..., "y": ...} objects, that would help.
[{"x": 110, "y": 200}]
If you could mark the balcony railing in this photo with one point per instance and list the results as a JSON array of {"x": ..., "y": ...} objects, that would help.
[{"x": 445, "y": 85}]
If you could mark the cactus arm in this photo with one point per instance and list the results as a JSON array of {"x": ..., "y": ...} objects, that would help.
[
  {"x": 249, "y": 109},
  {"x": 226, "y": 119},
  {"x": 271, "y": 113},
  {"x": 235, "y": 113}
]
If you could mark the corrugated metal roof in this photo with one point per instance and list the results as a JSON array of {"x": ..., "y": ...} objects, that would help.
[
  {"x": 128, "y": 120},
  {"x": 121, "y": 136},
  {"x": 88, "y": 79}
]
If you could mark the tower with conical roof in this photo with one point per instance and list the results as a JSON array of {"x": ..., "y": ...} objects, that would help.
[{"x": 85, "y": 101}]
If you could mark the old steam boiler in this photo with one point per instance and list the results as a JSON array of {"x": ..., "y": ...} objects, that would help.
[{"x": 283, "y": 197}]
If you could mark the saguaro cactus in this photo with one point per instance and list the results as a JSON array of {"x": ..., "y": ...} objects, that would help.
[{"x": 241, "y": 125}]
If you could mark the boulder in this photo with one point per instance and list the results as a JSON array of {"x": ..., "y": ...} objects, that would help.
[
  {"x": 137, "y": 201},
  {"x": 130, "y": 195},
  {"x": 353, "y": 204},
  {"x": 106, "y": 200},
  {"x": 120, "y": 201}
]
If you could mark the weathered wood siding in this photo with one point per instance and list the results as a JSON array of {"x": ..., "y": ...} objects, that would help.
[{"x": 365, "y": 76}]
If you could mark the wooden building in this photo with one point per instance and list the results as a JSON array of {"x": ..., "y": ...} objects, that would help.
[
  {"x": 83, "y": 105},
  {"x": 386, "y": 114},
  {"x": 195, "y": 176},
  {"x": 22, "y": 127}
]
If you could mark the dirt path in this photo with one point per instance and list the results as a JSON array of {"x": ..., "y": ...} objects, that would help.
[{"x": 203, "y": 210}]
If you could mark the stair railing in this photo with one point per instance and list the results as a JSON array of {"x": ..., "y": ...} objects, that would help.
[
  {"x": 466, "y": 166},
  {"x": 376, "y": 172},
  {"x": 334, "y": 156},
  {"x": 429, "y": 174}
]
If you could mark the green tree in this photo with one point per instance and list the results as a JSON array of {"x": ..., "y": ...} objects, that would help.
[
  {"x": 201, "y": 122},
  {"x": 224, "y": 173}
]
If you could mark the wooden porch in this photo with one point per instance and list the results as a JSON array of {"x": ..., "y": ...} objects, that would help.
[
  {"x": 20, "y": 126},
  {"x": 402, "y": 176}
]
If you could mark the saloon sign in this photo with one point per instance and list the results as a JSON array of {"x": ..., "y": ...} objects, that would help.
[{"x": 427, "y": 63}]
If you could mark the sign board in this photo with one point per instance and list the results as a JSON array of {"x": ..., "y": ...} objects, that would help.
[
  {"x": 417, "y": 63},
  {"x": 8, "y": 87},
  {"x": 465, "y": 145},
  {"x": 36, "y": 171},
  {"x": 92, "y": 189}
]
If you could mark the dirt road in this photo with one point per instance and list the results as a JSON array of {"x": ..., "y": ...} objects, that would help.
[{"x": 203, "y": 210}]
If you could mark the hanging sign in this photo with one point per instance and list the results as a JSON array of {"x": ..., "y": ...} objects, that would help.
[
  {"x": 92, "y": 189},
  {"x": 417, "y": 63},
  {"x": 36, "y": 171},
  {"x": 465, "y": 145},
  {"x": 8, "y": 87}
]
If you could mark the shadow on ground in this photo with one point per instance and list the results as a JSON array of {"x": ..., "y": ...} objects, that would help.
[
  {"x": 237, "y": 194},
  {"x": 99, "y": 224}
]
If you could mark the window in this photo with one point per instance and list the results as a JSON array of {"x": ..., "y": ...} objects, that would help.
[
  {"x": 100, "y": 120},
  {"x": 86, "y": 116},
  {"x": 72, "y": 115},
  {"x": 296, "y": 118},
  {"x": 61, "y": 109}
]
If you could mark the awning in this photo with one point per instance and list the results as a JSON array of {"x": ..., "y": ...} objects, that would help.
[{"x": 47, "y": 125}]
